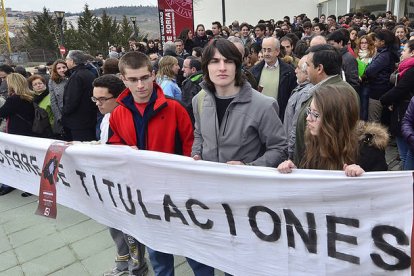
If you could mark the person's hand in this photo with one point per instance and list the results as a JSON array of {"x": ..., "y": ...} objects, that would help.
[
  {"x": 197, "y": 157},
  {"x": 353, "y": 170},
  {"x": 235, "y": 163},
  {"x": 286, "y": 166}
]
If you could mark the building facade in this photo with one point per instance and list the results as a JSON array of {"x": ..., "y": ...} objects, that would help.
[
  {"x": 251, "y": 11},
  {"x": 399, "y": 8},
  {"x": 207, "y": 11}
]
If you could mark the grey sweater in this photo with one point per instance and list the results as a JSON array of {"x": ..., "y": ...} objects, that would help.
[
  {"x": 251, "y": 130},
  {"x": 56, "y": 101}
]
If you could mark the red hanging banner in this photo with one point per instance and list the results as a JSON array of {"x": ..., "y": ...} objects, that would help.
[
  {"x": 47, "y": 190},
  {"x": 174, "y": 16}
]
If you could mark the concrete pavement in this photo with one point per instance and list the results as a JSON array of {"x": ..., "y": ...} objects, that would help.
[{"x": 73, "y": 244}]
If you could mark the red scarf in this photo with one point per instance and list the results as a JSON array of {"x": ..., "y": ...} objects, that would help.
[{"x": 404, "y": 66}]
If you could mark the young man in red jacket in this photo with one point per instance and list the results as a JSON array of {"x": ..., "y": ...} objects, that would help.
[{"x": 148, "y": 120}]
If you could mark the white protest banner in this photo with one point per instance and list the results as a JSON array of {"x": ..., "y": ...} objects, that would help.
[{"x": 241, "y": 219}]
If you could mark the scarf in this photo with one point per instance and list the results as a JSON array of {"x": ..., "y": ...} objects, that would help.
[
  {"x": 363, "y": 56},
  {"x": 404, "y": 66}
]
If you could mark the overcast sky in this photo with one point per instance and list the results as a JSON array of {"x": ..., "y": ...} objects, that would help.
[{"x": 71, "y": 5}]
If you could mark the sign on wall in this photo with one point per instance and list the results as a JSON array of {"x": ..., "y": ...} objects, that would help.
[{"x": 174, "y": 16}]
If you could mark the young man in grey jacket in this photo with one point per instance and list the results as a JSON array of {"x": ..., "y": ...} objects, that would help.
[{"x": 234, "y": 123}]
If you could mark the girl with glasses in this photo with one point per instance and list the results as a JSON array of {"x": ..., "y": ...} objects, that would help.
[
  {"x": 335, "y": 139},
  {"x": 365, "y": 50}
]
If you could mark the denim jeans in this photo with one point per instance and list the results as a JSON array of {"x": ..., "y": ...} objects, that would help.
[
  {"x": 163, "y": 264},
  {"x": 409, "y": 161},
  {"x": 402, "y": 150}
]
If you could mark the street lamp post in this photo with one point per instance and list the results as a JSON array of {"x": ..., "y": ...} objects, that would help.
[
  {"x": 134, "y": 21},
  {"x": 59, "y": 16}
]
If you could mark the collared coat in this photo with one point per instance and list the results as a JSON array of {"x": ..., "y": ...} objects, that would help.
[
  {"x": 251, "y": 131},
  {"x": 287, "y": 82}
]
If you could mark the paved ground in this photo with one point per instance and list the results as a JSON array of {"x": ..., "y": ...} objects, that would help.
[{"x": 73, "y": 244}]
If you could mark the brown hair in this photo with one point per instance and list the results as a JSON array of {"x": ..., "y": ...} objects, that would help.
[
  {"x": 32, "y": 78},
  {"x": 55, "y": 76},
  {"x": 371, "y": 47},
  {"x": 165, "y": 67},
  {"x": 229, "y": 51},
  {"x": 18, "y": 85},
  {"x": 336, "y": 143},
  {"x": 134, "y": 60}
]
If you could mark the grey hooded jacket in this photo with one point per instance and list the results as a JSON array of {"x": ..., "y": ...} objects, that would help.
[{"x": 251, "y": 131}]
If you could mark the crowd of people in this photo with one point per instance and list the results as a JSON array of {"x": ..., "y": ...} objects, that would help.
[{"x": 324, "y": 93}]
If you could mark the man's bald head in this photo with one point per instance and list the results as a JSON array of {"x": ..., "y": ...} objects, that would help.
[{"x": 318, "y": 40}]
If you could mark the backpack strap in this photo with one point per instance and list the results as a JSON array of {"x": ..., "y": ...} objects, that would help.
[{"x": 201, "y": 95}]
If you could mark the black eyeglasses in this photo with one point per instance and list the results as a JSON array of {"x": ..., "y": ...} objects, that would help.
[
  {"x": 101, "y": 99},
  {"x": 314, "y": 116}
]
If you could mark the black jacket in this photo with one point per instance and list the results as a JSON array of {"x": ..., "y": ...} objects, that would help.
[
  {"x": 190, "y": 88},
  {"x": 399, "y": 98},
  {"x": 378, "y": 72},
  {"x": 200, "y": 41},
  {"x": 287, "y": 82},
  {"x": 350, "y": 67},
  {"x": 79, "y": 112},
  {"x": 20, "y": 114},
  {"x": 373, "y": 139}
]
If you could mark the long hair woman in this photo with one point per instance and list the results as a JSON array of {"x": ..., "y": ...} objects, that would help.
[
  {"x": 166, "y": 76},
  {"x": 336, "y": 140},
  {"x": 187, "y": 36},
  {"x": 18, "y": 110},
  {"x": 365, "y": 50},
  {"x": 57, "y": 84},
  {"x": 200, "y": 39},
  {"x": 379, "y": 71}
]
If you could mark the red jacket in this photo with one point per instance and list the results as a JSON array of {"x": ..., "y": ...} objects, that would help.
[{"x": 165, "y": 126}]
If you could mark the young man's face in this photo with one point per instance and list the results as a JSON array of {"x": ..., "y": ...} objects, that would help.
[
  {"x": 140, "y": 82},
  {"x": 288, "y": 47},
  {"x": 259, "y": 33},
  {"x": 179, "y": 47},
  {"x": 245, "y": 31},
  {"x": 335, "y": 44},
  {"x": 105, "y": 101},
  {"x": 222, "y": 71},
  {"x": 215, "y": 29}
]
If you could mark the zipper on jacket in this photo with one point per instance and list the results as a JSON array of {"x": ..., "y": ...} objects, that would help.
[{"x": 225, "y": 124}]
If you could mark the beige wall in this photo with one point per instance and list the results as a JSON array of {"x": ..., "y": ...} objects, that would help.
[{"x": 251, "y": 11}]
